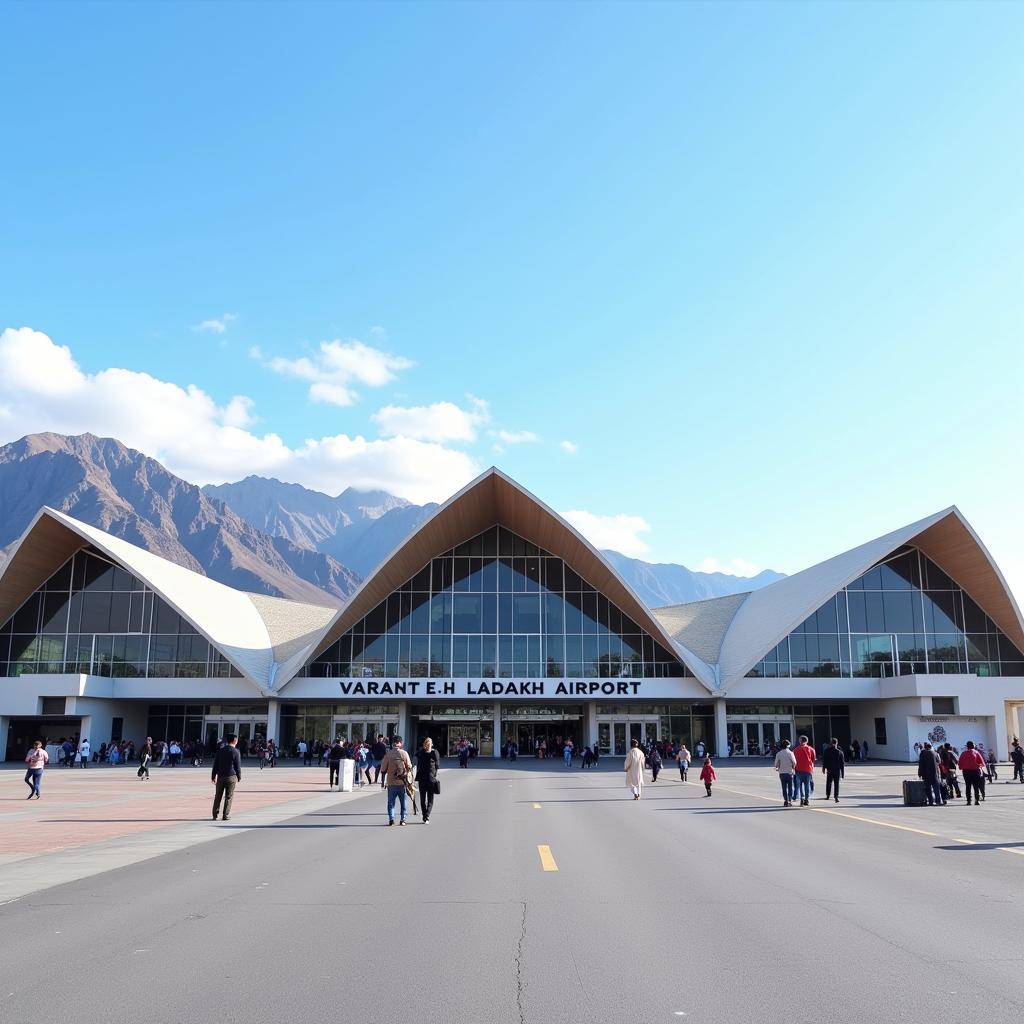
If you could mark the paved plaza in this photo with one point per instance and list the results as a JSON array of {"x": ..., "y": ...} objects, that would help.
[{"x": 536, "y": 893}]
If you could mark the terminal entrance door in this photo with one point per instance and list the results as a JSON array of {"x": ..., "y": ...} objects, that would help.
[
  {"x": 614, "y": 735},
  {"x": 749, "y": 738},
  {"x": 365, "y": 729},
  {"x": 245, "y": 727}
]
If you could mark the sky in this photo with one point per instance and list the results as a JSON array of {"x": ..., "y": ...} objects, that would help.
[{"x": 732, "y": 285}]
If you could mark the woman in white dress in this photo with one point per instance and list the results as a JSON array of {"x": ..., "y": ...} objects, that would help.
[{"x": 635, "y": 769}]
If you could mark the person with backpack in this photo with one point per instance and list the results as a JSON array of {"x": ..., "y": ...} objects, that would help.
[
  {"x": 947, "y": 764},
  {"x": 929, "y": 772},
  {"x": 1017, "y": 757},
  {"x": 396, "y": 769},
  {"x": 654, "y": 759},
  {"x": 378, "y": 751},
  {"x": 145, "y": 756}
]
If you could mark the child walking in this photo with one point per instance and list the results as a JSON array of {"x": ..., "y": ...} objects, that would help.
[{"x": 707, "y": 775}]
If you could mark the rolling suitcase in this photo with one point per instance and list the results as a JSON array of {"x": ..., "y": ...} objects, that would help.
[{"x": 913, "y": 793}]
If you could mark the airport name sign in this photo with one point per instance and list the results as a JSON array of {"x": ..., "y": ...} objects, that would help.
[{"x": 490, "y": 688}]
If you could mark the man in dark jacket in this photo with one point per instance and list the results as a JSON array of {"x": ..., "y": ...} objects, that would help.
[
  {"x": 833, "y": 764},
  {"x": 226, "y": 774},
  {"x": 335, "y": 756},
  {"x": 928, "y": 772},
  {"x": 1017, "y": 757},
  {"x": 378, "y": 751}
]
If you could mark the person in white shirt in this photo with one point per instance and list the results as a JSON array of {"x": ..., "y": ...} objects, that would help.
[
  {"x": 785, "y": 765},
  {"x": 84, "y": 750}
]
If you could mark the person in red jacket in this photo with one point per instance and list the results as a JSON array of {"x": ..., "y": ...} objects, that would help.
[
  {"x": 972, "y": 764},
  {"x": 707, "y": 775},
  {"x": 805, "y": 756}
]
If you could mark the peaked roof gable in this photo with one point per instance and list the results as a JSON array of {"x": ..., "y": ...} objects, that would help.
[
  {"x": 768, "y": 615},
  {"x": 230, "y": 619},
  {"x": 701, "y": 625},
  {"x": 494, "y": 498}
]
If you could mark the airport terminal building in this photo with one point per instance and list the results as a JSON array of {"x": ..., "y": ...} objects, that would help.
[{"x": 496, "y": 621}]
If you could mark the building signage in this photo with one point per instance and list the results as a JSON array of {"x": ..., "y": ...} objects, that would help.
[{"x": 490, "y": 688}]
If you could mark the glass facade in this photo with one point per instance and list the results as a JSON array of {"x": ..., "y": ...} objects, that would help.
[
  {"x": 903, "y": 616},
  {"x": 94, "y": 617},
  {"x": 496, "y": 607}
]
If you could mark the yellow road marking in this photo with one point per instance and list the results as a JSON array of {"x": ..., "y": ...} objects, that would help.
[
  {"x": 547, "y": 862},
  {"x": 536, "y": 807},
  {"x": 871, "y": 821},
  {"x": 875, "y": 821}
]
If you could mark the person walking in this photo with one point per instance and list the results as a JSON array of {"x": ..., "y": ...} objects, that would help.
[
  {"x": 334, "y": 758},
  {"x": 930, "y": 773},
  {"x": 990, "y": 761},
  {"x": 785, "y": 765},
  {"x": 378, "y": 751},
  {"x": 683, "y": 760},
  {"x": 567, "y": 753},
  {"x": 428, "y": 764},
  {"x": 833, "y": 764},
  {"x": 947, "y": 763},
  {"x": 654, "y": 760},
  {"x": 1017, "y": 757},
  {"x": 634, "y": 768},
  {"x": 972, "y": 764},
  {"x": 805, "y": 756},
  {"x": 226, "y": 774},
  {"x": 396, "y": 768},
  {"x": 700, "y": 748},
  {"x": 145, "y": 756},
  {"x": 84, "y": 750},
  {"x": 36, "y": 760},
  {"x": 864, "y": 750},
  {"x": 707, "y": 775}
]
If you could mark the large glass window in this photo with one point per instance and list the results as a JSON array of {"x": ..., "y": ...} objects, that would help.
[
  {"x": 903, "y": 616},
  {"x": 494, "y": 607},
  {"x": 93, "y": 616}
]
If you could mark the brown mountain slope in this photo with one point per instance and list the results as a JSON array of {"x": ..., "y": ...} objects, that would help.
[{"x": 128, "y": 494}]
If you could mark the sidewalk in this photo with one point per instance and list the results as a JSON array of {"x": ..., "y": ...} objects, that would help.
[{"x": 100, "y": 818}]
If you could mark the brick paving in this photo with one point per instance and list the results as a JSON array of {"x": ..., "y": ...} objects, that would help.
[{"x": 81, "y": 807}]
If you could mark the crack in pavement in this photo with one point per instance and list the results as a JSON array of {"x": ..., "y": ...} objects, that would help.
[{"x": 519, "y": 967}]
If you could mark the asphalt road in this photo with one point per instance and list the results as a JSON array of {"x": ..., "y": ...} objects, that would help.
[{"x": 672, "y": 908}]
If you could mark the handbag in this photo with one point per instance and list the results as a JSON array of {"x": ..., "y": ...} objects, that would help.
[{"x": 436, "y": 785}]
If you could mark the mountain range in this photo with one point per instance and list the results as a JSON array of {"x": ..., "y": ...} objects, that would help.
[{"x": 258, "y": 534}]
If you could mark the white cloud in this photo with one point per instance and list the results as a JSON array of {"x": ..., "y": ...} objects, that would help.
[
  {"x": 514, "y": 437},
  {"x": 337, "y": 365},
  {"x": 734, "y": 567},
  {"x": 569, "y": 447},
  {"x": 216, "y": 326},
  {"x": 441, "y": 421},
  {"x": 618, "y": 532},
  {"x": 43, "y": 388}
]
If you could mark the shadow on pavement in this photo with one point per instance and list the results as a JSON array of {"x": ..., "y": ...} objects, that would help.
[{"x": 981, "y": 846}]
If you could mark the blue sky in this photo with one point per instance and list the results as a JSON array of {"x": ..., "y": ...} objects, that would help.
[{"x": 735, "y": 285}]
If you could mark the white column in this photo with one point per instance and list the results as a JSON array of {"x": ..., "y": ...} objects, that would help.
[
  {"x": 590, "y": 718},
  {"x": 274, "y": 722},
  {"x": 721, "y": 729},
  {"x": 5, "y": 724},
  {"x": 497, "y": 729}
]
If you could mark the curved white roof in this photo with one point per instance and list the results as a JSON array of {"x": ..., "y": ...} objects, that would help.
[{"x": 248, "y": 629}]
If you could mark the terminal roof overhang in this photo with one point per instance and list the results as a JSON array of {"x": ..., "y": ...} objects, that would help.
[
  {"x": 269, "y": 639},
  {"x": 254, "y": 632},
  {"x": 495, "y": 499},
  {"x": 734, "y": 633}
]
